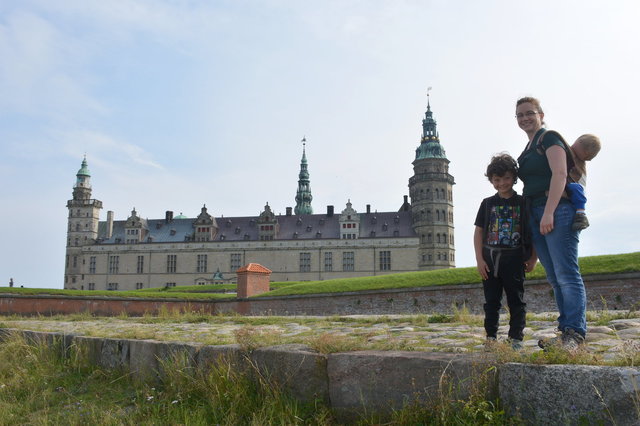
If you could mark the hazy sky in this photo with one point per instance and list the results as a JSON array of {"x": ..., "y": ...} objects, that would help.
[{"x": 181, "y": 103}]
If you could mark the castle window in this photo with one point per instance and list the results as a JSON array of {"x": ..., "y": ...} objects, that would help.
[
  {"x": 114, "y": 264},
  {"x": 348, "y": 261},
  {"x": 92, "y": 265},
  {"x": 169, "y": 285},
  {"x": 202, "y": 263},
  {"x": 140, "y": 265},
  {"x": 385, "y": 260},
  {"x": 171, "y": 263},
  {"x": 429, "y": 238},
  {"x": 112, "y": 286},
  {"x": 139, "y": 286},
  {"x": 396, "y": 233},
  {"x": 328, "y": 261},
  {"x": 236, "y": 261},
  {"x": 305, "y": 262},
  {"x": 91, "y": 286}
]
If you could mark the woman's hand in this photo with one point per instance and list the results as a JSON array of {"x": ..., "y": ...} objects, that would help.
[{"x": 546, "y": 223}]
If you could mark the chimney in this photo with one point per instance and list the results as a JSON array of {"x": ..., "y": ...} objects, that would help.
[
  {"x": 288, "y": 211},
  {"x": 368, "y": 208},
  {"x": 168, "y": 216},
  {"x": 109, "y": 224},
  {"x": 329, "y": 211}
]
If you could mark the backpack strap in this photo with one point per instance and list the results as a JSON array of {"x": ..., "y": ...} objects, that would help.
[{"x": 571, "y": 162}]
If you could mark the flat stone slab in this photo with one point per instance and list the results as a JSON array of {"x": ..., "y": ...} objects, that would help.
[
  {"x": 382, "y": 381},
  {"x": 570, "y": 394},
  {"x": 296, "y": 368}
]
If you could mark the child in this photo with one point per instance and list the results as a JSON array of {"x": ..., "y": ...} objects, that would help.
[
  {"x": 585, "y": 148},
  {"x": 503, "y": 250}
]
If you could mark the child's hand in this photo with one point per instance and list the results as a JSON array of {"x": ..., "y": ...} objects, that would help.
[
  {"x": 530, "y": 264},
  {"x": 483, "y": 269}
]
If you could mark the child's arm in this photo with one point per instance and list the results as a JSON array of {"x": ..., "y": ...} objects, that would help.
[
  {"x": 483, "y": 268},
  {"x": 530, "y": 263}
]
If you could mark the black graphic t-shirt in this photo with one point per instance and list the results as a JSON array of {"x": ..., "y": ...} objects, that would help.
[{"x": 503, "y": 221}]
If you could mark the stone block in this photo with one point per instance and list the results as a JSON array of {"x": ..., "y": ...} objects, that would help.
[
  {"x": 381, "y": 381},
  {"x": 298, "y": 369},
  {"x": 90, "y": 347},
  {"x": 114, "y": 354},
  {"x": 571, "y": 394},
  {"x": 210, "y": 357},
  {"x": 173, "y": 355},
  {"x": 143, "y": 359}
]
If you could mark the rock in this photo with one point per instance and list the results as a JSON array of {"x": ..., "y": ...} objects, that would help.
[
  {"x": 565, "y": 394},
  {"x": 297, "y": 369}
]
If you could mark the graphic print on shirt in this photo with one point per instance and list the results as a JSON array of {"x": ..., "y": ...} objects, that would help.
[{"x": 504, "y": 226}]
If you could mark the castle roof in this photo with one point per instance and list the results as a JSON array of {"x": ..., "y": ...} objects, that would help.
[{"x": 292, "y": 227}]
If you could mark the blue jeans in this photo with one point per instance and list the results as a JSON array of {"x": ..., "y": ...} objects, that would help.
[{"x": 558, "y": 253}]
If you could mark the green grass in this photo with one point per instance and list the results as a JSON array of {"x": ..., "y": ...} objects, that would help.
[{"x": 592, "y": 265}]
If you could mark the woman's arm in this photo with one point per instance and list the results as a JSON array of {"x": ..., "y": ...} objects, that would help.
[{"x": 557, "y": 158}]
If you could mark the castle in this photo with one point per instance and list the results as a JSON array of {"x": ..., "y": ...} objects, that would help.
[{"x": 141, "y": 253}]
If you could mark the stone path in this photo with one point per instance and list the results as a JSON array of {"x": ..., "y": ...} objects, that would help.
[{"x": 608, "y": 338}]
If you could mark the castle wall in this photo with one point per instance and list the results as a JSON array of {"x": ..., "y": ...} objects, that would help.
[
  {"x": 282, "y": 257},
  {"x": 612, "y": 292}
]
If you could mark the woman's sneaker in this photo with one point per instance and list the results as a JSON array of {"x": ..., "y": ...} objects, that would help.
[
  {"x": 569, "y": 340},
  {"x": 572, "y": 340}
]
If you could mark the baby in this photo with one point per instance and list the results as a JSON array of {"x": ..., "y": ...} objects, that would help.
[{"x": 585, "y": 148}]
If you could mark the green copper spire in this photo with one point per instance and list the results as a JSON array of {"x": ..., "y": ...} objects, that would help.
[
  {"x": 83, "y": 177},
  {"x": 84, "y": 170},
  {"x": 430, "y": 143},
  {"x": 303, "y": 195}
]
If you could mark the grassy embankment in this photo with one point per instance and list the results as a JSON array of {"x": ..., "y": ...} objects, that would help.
[{"x": 592, "y": 265}]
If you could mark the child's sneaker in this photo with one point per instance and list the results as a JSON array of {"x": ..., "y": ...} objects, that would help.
[
  {"x": 490, "y": 344},
  {"x": 580, "y": 222},
  {"x": 516, "y": 344}
]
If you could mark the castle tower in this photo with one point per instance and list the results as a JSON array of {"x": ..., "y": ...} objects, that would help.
[
  {"x": 303, "y": 195},
  {"x": 82, "y": 225},
  {"x": 430, "y": 189}
]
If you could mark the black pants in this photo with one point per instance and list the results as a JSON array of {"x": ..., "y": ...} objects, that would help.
[{"x": 510, "y": 278}]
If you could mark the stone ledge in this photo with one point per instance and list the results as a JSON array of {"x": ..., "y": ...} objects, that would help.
[{"x": 353, "y": 383}]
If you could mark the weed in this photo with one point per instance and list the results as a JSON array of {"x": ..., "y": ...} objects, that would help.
[
  {"x": 250, "y": 338},
  {"x": 463, "y": 315},
  {"x": 440, "y": 318}
]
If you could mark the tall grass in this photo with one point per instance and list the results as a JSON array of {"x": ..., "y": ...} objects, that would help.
[{"x": 42, "y": 384}]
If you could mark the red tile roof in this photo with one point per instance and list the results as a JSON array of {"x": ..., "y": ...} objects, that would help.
[{"x": 254, "y": 267}]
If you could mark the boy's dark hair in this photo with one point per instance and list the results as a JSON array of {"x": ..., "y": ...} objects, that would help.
[{"x": 500, "y": 165}]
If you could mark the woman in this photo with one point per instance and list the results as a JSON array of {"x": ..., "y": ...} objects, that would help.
[{"x": 543, "y": 170}]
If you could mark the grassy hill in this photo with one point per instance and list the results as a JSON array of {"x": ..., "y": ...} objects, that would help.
[{"x": 592, "y": 265}]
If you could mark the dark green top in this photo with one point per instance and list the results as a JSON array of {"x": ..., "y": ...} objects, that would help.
[{"x": 534, "y": 168}]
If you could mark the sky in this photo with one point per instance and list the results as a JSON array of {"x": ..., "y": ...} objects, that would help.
[{"x": 179, "y": 103}]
